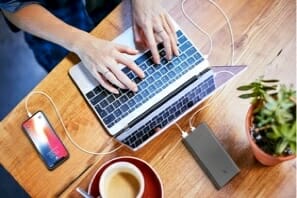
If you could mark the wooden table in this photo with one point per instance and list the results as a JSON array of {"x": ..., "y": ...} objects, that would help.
[{"x": 264, "y": 32}]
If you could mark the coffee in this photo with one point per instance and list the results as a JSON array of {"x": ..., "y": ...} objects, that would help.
[
  {"x": 122, "y": 184},
  {"x": 121, "y": 179}
]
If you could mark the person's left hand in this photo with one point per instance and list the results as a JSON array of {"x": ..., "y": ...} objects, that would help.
[{"x": 152, "y": 25}]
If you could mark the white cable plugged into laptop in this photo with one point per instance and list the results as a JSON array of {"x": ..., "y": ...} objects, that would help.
[
  {"x": 62, "y": 122},
  {"x": 184, "y": 133}
]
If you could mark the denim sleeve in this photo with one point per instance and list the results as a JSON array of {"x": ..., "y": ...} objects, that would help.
[{"x": 14, "y": 5}]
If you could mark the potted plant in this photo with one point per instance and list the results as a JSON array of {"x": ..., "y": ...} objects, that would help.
[{"x": 271, "y": 120}]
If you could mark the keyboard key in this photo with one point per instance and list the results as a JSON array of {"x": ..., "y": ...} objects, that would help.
[
  {"x": 98, "y": 98},
  {"x": 157, "y": 66},
  {"x": 137, "y": 80},
  {"x": 191, "y": 61},
  {"x": 131, "y": 103},
  {"x": 179, "y": 33},
  {"x": 191, "y": 51},
  {"x": 149, "y": 62},
  {"x": 109, "y": 119},
  {"x": 110, "y": 98},
  {"x": 117, "y": 113},
  {"x": 116, "y": 104},
  {"x": 144, "y": 94},
  {"x": 170, "y": 66},
  {"x": 197, "y": 56},
  {"x": 150, "y": 70},
  {"x": 157, "y": 75},
  {"x": 90, "y": 94},
  {"x": 165, "y": 79},
  {"x": 163, "y": 70},
  {"x": 151, "y": 88},
  {"x": 143, "y": 85},
  {"x": 164, "y": 61},
  {"x": 182, "y": 39},
  {"x": 182, "y": 57},
  {"x": 131, "y": 75},
  {"x": 103, "y": 104},
  {"x": 171, "y": 74},
  {"x": 123, "y": 99},
  {"x": 109, "y": 108},
  {"x": 130, "y": 94},
  {"x": 143, "y": 58},
  {"x": 100, "y": 111},
  {"x": 98, "y": 89},
  {"x": 138, "y": 98},
  {"x": 150, "y": 80},
  {"x": 162, "y": 53},
  {"x": 126, "y": 70},
  {"x": 185, "y": 46},
  {"x": 176, "y": 61},
  {"x": 124, "y": 108},
  {"x": 178, "y": 70},
  {"x": 143, "y": 66}
]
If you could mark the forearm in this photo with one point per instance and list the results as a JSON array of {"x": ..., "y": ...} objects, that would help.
[{"x": 38, "y": 21}]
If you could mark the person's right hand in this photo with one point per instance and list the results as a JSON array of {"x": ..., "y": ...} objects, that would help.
[{"x": 102, "y": 57}]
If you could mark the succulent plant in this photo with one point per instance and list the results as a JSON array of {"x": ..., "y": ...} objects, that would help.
[{"x": 274, "y": 123}]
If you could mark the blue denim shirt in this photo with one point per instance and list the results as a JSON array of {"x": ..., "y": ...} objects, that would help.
[{"x": 72, "y": 12}]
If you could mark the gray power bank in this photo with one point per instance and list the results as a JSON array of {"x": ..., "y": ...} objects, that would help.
[{"x": 211, "y": 156}]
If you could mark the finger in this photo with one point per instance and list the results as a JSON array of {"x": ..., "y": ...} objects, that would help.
[
  {"x": 131, "y": 64},
  {"x": 158, "y": 38},
  {"x": 163, "y": 32},
  {"x": 103, "y": 82},
  {"x": 173, "y": 33},
  {"x": 138, "y": 37},
  {"x": 124, "y": 79},
  {"x": 148, "y": 31},
  {"x": 126, "y": 49},
  {"x": 110, "y": 75},
  {"x": 167, "y": 44}
]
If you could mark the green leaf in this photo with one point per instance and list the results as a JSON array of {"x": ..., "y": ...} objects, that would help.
[
  {"x": 272, "y": 136},
  {"x": 244, "y": 87},
  {"x": 266, "y": 88},
  {"x": 249, "y": 95},
  {"x": 270, "y": 81},
  {"x": 280, "y": 147},
  {"x": 256, "y": 84}
]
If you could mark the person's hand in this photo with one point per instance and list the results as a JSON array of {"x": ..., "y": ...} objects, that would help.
[
  {"x": 102, "y": 57},
  {"x": 152, "y": 25}
]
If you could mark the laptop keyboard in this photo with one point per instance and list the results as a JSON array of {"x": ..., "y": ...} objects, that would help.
[
  {"x": 169, "y": 114},
  {"x": 113, "y": 107}
]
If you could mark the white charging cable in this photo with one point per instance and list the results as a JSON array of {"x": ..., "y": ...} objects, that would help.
[
  {"x": 207, "y": 55},
  {"x": 208, "y": 36},
  {"x": 65, "y": 129}
]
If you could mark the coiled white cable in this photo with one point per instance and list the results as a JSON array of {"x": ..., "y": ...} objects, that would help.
[{"x": 65, "y": 129}]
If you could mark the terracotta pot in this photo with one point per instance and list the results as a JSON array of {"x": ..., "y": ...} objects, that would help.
[{"x": 261, "y": 156}]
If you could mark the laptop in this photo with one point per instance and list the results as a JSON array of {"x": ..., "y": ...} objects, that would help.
[{"x": 169, "y": 91}]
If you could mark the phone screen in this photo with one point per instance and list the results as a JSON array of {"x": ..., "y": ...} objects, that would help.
[{"x": 45, "y": 140}]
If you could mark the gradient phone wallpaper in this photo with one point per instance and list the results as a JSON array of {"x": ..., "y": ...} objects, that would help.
[{"x": 45, "y": 139}]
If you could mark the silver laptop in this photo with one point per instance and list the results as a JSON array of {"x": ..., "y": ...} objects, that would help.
[{"x": 169, "y": 90}]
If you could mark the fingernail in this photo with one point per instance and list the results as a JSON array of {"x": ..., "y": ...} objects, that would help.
[
  {"x": 116, "y": 91},
  {"x": 142, "y": 74},
  {"x": 135, "y": 88}
]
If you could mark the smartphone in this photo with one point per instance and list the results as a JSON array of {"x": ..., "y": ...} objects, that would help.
[{"x": 45, "y": 140}]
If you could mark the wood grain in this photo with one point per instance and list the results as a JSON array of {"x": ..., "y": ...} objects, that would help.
[{"x": 265, "y": 37}]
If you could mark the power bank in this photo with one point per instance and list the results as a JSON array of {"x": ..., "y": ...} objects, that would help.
[{"x": 211, "y": 156}]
